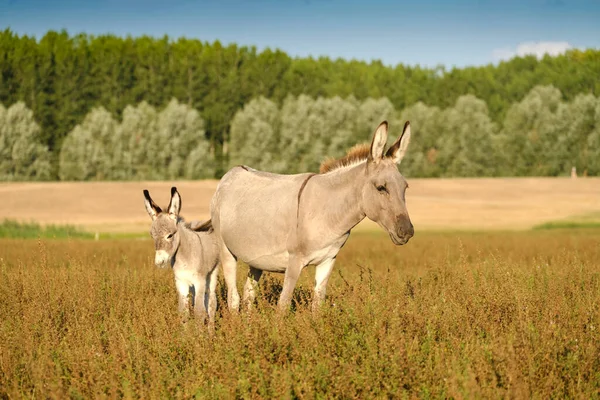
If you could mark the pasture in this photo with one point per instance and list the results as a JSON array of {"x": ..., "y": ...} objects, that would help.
[{"x": 467, "y": 309}]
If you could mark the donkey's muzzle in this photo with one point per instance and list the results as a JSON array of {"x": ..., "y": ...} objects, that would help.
[
  {"x": 405, "y": 231},
  {"x": 161, "y": 259}
]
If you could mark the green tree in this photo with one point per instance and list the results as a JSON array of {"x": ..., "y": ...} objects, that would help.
[
  {"x": 467, "y": 145},
  {"x": 169, "y": 144},
  {"x": 593, "y": 145},
  {"x": 422, "y": 159},
  {"x": 334, "y": 126},
  {"x": 297, "y": 140},
  {"x": 254, "y": 137},
  {"x": 530, "y": 133},
  {"x": 179, "y": 132},
  {"x": 22, "y": 156},
  {"x": 62, "y": 77},
  {"x": 200, "y": 163},
  {"x": 578, "y": 122},
  {"x": 371, "y": 113},
  {"x": 134, "y": 147},
  {"x": 86, "y": 151}
]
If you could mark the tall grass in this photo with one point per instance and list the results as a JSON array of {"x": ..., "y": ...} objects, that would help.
[{"x": 448, "y": 315}]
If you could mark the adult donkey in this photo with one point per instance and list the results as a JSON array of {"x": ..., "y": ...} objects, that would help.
[{"x": 282, "y": 223}]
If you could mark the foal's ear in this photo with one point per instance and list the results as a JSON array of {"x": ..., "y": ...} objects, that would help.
[
  {"x": 151, "y": 207},
  {"x": 378, "y": 143},
  {"x": 398, "y": 149},
  {"x": 175, "y": 203}
]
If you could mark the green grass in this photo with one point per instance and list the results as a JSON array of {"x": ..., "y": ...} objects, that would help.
[
  {"x": 31, "y": 230},
  {"x": 567, "y": 225},
  {"x": 10, "y": 229},
  {"x": 584, "y": 221},
  {"x": 123, "y": 235}
]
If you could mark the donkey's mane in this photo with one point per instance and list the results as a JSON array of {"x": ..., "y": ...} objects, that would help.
[
  {"x": 356, "y": 154},
  {"x": 195, "y": 226}
]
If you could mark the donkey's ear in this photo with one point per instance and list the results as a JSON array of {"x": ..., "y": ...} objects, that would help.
[
  {"x": 175, "y": 203},
  {"x": 398, "y": 149},
  {"x": 151, "y": 207},
  {"x": 378, "y": 143}
]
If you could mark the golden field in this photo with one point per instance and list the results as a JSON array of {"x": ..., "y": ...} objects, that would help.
[
  {"x": 461, "y": 315},
  {"x": 439, "y": 204},
  {"x": 476, "y": 305}
]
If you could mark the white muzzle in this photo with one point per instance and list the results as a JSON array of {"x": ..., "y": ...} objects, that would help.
[{"x": 161, "y": 258}]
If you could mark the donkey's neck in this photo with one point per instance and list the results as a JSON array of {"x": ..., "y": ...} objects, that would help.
[
  {"x": 340, "y": 195},
  {"x": 187, "y": 239}
]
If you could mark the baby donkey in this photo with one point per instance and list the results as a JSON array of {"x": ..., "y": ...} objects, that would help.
[{"x": 192, "y": 252}]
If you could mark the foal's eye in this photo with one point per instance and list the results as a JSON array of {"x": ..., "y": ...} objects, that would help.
[
  {"x": 382, "y": 188},
  {"x": 169, "y": 236}
]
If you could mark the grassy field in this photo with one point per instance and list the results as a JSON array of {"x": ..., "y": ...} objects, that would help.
[
  {"x": 462, "y": 315},
  {"x": 477, "y": 305}
]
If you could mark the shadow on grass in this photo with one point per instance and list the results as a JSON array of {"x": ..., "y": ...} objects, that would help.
[{"x": 268, "y": 294}]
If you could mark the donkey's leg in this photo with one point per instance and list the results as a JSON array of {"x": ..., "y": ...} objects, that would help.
[
  {"x": 199, "y": 295},
  {"x": 251, "y": 285},
  {"x": 229, "y": 265},
  {"x": 212, "y": 293},
  {"x": 183, "y": 289},
  {"x": 292, "y": 273},
  {"x": 322, "y": 273}
]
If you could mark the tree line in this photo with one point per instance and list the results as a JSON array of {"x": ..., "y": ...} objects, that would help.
[
  {"x": 540, "y": 135},
  {"x": 62, "y": 77}
]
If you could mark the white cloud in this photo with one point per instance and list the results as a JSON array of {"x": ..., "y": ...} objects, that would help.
[
  {"x": 538, "y": 49},
  {"x": 503, "y": 54}
]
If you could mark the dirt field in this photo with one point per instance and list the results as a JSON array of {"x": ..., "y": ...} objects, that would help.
[{"x": 434, "y": 204}]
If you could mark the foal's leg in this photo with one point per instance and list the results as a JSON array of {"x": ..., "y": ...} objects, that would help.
[
  {"x": 183, "y": 289},
  {"x": 212, "y": 293},
  {"x": 251, "y": 285},
  {"x": 199, "y": 294},
  {"x": 292, "y": 273},
  {"x": 322, "y": 273},
  {"x": 229, "y": 265}
]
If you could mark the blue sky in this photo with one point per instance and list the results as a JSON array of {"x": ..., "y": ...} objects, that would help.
[{"x": 428, "y": 32}]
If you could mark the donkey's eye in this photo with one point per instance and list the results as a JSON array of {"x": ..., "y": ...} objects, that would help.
[
  {"x": 382, "y": 188},
  {"x": 169, "y": 236}
]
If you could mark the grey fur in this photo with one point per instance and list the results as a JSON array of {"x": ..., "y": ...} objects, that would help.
[
  {"x": 192, "y": 251},
  {"x": 282, "y": 223}
]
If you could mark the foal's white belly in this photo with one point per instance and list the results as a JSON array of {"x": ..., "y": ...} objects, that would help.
[{"x": 186, "y": 274}]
